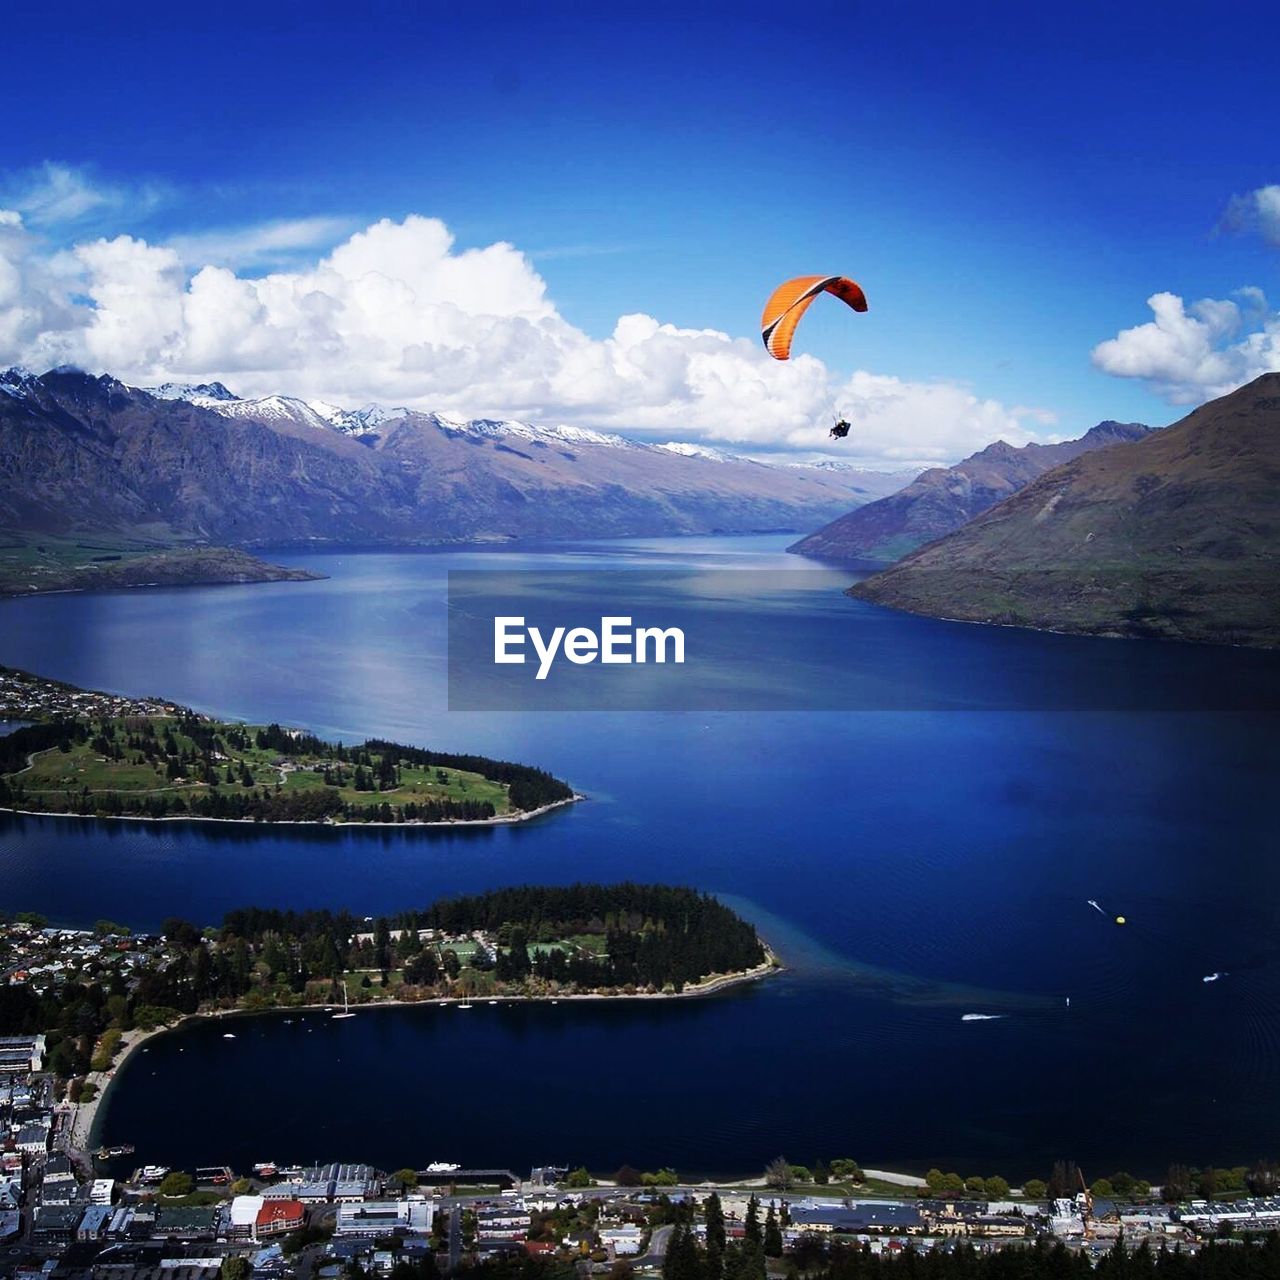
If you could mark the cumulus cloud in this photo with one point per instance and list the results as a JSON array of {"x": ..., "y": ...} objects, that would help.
[
  {"x": 397, "y": 313},
  {"x": 1258, "y": 212},
  {"x": 1189, "y": 354}
]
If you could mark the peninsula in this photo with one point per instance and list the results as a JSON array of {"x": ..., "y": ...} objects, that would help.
[{"x": 102, "y": 755}]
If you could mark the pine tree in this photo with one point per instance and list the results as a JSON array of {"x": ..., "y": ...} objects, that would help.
[
  {"x": 753, "y": 1221},
  {"x": 772, "y": 1235},
  {"x": 715, "y": 1237}
]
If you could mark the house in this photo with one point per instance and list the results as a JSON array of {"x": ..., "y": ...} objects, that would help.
[{"x": 622, "y": 1241}]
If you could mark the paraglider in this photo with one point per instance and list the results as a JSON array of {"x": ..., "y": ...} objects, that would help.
[
  {"x": 790, "y": 300},
  {"x": 788, "y": 303}
]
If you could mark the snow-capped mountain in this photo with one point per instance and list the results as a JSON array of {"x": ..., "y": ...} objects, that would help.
[{"x": 278, "y": 469}]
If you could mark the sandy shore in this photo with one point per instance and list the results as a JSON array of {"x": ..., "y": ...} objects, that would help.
[{"x": 82, "y": 1137}]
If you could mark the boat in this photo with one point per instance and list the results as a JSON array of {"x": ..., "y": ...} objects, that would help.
[
  {"x": 111, "y": 1153},
  {"x": 154, "y": 1172},
  {"x": 267, "y": 1169},
  {"x": 229, "y": 1035},
  {"x": 439, "y": 1166},
  {"x": 346, "y": 1008}
]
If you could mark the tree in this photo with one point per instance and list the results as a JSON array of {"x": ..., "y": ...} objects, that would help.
[
  {"x": 241, "y": 1187},
  {"x": 1064, "y": 1182},
  {"x": 715, "y": 1236},
  {"x": 404, "y": 1178},
  {"x": 1103, "y": 1187},
  {"x": 627, "y": 1176},
  {"x": 778, "y": 1173},
  {"x": 1035, "y": 1189},
  {"x": 821, "y": 1174},
  {"x": 772, "y": 1235},
  {"x": 177, "y": 1184},
  {"x": 752, "y": 1224},
  {"x": 1177, "y": 1183},
  {"x": 579, "y": 1177},
  {"x": 235, "y": 1268},
  {"x": 976, "y": 1186},
  {"x": 997, "y": 1188}
]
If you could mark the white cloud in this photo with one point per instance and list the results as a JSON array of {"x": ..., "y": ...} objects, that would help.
[
  {"x": 56, "y": 194},
  {"x": 1258, "y": 211},
  {"x": 267, "y": 244},
  {"x": 397, "y": 313},
  {"x": 1189, "y": 354}
]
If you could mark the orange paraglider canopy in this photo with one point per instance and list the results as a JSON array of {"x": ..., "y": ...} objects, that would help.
[{"x": 791, "y": 300}]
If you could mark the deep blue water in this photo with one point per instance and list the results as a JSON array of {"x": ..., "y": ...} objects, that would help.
[{"x": 911, "y": 866}]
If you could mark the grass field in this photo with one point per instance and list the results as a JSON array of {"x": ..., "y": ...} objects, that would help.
[{"x": 237, "y": 768}]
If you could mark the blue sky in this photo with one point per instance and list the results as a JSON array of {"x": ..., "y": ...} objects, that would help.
[{"x": 1009, "y": 184}]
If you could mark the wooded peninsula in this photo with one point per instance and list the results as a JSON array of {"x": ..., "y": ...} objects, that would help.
[{"x": 99, "y": 755}]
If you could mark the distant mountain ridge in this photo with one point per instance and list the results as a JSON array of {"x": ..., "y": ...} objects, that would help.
[
  {"x": 90, "y": 453},
  {"x": 1175, "y": 535},
  {"x": 942, "y": 499}
]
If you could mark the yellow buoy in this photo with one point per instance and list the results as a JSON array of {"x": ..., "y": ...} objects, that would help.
[{"x": 1120, "y": 920}]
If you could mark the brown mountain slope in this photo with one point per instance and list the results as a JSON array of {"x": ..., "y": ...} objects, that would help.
[
  {"x": 81, "y": 453},
  {"x": 942, "y": 499},
  {"x": 1176, "y": 535}
]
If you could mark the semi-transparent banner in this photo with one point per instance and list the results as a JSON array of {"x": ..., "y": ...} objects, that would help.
[{"x": 661, "y": 639}]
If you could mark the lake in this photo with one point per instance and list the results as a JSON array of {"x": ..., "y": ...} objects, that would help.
[{"x": 911, "y": 865}]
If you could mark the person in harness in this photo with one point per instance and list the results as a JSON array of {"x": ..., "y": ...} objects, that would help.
[{"x": 839, "y": 429}]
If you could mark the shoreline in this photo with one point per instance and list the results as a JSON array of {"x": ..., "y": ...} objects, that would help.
[
  {"x": 83, "y": 1138},
  {"x": 501, "y": 819}
]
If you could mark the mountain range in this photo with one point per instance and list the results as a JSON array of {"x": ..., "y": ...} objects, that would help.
[
  {"x": 943, "y": 499},
  {"x": 1176, "y": 534},
  {"x": 86, "y": 453}
]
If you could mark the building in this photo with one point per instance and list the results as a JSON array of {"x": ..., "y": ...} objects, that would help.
[
  {"x": 856, "y": 1218},
  {"x": 33, "y": 1138},
  {"x": 279, "y": 1217},
  {"x": 55, "y": 1224},
  {"x": 21, "y": 1055},
  {"x": 385, "y": 1217},
  {"x": 343, "y": 1183},
  {"x": 503, "y": 1219},
  {"x": 94, "y": 1223},
  {"x": 187, "y": 1222},
  {"x": 101, "y": 1191},
  {"x": 622, "y": 1242},
  {"x": 242, "y": 1221}
]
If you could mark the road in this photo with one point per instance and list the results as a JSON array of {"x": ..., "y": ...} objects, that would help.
[
  {"x": 455, "y": 1238},
  {"x": 657, "y": 1247}
]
